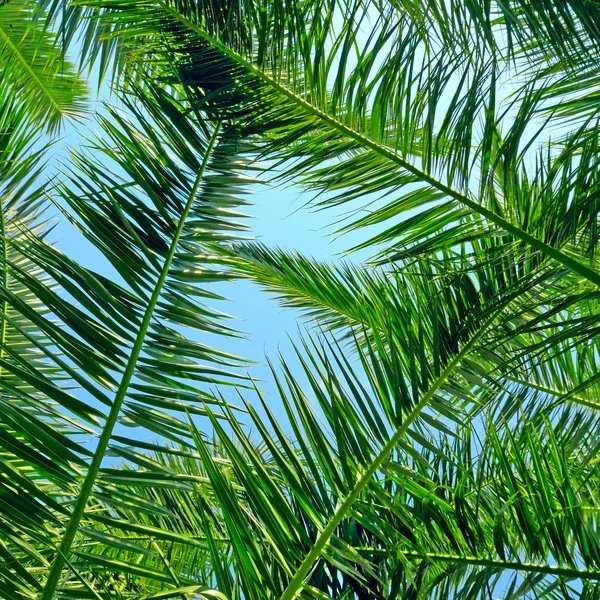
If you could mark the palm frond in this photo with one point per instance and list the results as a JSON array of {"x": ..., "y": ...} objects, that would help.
[
  {"x": 328, "y": 144},
  {"x": 35, "y": 66},
  {"x": 42, "y": 448},
  {"x": 174, "y": 187},
  {"x": 545, "y": 342},
  {"x": 456, "y": 514}
]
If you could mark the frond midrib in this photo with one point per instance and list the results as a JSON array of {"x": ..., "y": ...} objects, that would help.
[
  {"x": 111, "y": 420},
  {"x": 547, "y": 569}
]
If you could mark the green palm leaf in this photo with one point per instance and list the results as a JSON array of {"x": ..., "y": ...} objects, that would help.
[
  {"x": 109, "y": 337},
  {"x": 35, "y": 65},
  {"x": 355, "y": 300},
  {"x": 439, "y": 520},
  {"x": 41, "y": 447},
  {"x": 286, "y": 95}
]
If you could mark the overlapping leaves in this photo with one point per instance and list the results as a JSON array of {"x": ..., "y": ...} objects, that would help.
[
  {"x": 287, "y": 95},
  {"x": 36, "y": 67},
  {"x": 150, "y": 215},
  {"x": 421, "y": 473}
]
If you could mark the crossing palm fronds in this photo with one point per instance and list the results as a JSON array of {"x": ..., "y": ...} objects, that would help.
[{"x": 440, "y": 434}]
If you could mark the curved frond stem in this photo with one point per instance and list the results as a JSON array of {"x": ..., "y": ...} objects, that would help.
[
  {"x": 554, "y": 253},
  {"x": 553, "y": 570},
  {"x": 92, "y": 474}
]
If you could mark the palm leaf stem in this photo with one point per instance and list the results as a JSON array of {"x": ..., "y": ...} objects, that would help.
[
  {"x": 564, "y": 259},
  {"x": 295, "y": 585},
  {"x": 490, "y": 562},
  {"x": 562, "y": 396},
  {"x": 92, "y": 474}
]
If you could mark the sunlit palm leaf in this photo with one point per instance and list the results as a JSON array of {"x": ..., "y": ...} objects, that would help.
[
  {"x": 536, "y": 343},
  {"x": 35, "y": 66},
  {"x": 173, "y": 187}
]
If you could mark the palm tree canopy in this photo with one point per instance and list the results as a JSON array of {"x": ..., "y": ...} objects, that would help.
[{"x": 440, "y": 433}]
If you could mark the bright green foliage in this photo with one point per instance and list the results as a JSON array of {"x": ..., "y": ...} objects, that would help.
[
  {"x": 33, "y": 65},
  {"x": 441, "y": 436}
]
